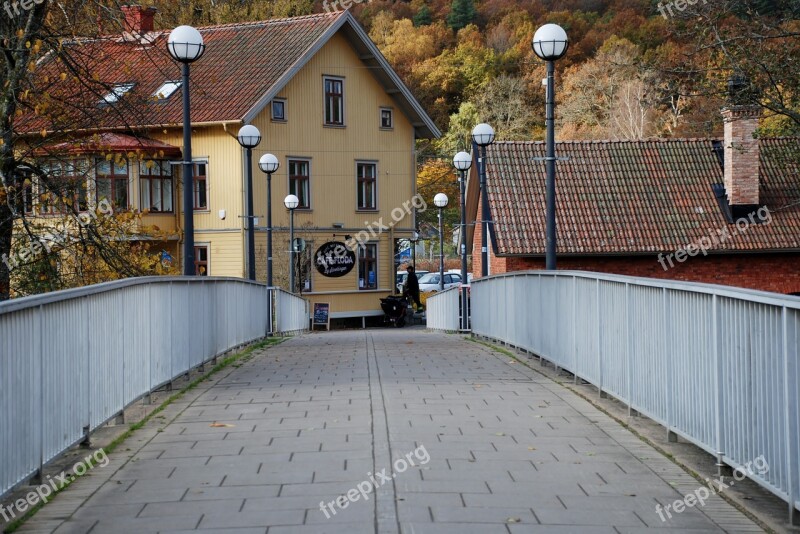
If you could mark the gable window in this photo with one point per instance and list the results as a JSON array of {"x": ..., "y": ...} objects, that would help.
[
  {"x": 112, "y": 183},
  {"x": 366, "y": 175},
  {"x": 334, "y": 101},
  {"x": 155, "y": 179},
  {"x": 279, "y": 110},
  {"x": 117, "y": 92},
  {"x": 200, "y": 182},
  {"x": 368, "y": 266},
  {"x": 201, "y": 260},
  {"x": 300, "y": 181},
  {"x": 387, "y": 119}
]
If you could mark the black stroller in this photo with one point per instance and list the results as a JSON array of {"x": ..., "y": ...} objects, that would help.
[{"x": 395, "y": 307}]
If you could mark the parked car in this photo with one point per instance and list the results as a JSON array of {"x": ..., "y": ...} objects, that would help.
[
  {"x": 400, "y": 280},
  {"x": 430, "y": 282},
  {"x": 458, "y": 272}
]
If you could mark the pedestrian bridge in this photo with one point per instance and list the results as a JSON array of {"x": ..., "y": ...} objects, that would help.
[{"x": 282, "y": 441}]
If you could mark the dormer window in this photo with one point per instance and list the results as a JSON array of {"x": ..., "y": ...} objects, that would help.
[
  {"x": 117, "y": 92},
  {"x": 166, "y": 90}
]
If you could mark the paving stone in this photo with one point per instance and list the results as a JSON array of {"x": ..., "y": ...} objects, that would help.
[{"x": 308, "y": 421}]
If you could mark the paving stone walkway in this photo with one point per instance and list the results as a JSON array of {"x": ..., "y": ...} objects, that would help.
[{"x": 413, "y": 432}]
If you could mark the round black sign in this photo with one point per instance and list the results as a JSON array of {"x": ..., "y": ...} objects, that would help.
[{"x": 334, "y": 259}]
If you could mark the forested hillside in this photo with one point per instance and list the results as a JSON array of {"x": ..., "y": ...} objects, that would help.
[{"x": 635, "y": 68}]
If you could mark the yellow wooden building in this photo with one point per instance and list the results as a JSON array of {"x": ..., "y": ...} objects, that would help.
[{"x": 340, "y": 121}]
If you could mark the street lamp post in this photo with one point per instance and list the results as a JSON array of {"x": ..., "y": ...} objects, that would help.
[
  {"x": 414, "y": 240},
  {"x": 550, "y": 43},
  {"x": 291, "y": 202},
  {"x": 249, "y": 137},
  {"x": 441, "y": 201},
  {"x": 462, "y": 162},
  {"x": 483, "y": 136},
  {"x": 185, "y": 44},
  {"x": 269, "y": 164}
]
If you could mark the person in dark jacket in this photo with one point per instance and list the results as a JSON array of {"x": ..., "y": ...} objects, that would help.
[{"x": 412, "y": 287}]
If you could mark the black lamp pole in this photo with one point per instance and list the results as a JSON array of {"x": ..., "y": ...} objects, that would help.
[
  {"x": 550, "y": 43},
  {"x": 185, "y": 45},
  {"x": 251, "y": 231},
  {"x": 291, "y": 250},
  {"x": 462, "y": 239},
  {"x": 269, "y": 229},
  {"x": 188, "y": 181},
  {"x": 441, "y": 250},
  {"x": 550, "y": 248}
]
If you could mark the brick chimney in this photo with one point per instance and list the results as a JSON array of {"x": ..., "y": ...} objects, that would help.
[
  {"x": 742, "y": 152},
  {"x": 138, "y": 20}
]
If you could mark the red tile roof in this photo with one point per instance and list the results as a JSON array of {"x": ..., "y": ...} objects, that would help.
[
  {"x": 113, "y": 142},
  {"x": 243, "y": 64},
  {"x": 240, "y": 64},
  {"x": 634, "y": 197}
]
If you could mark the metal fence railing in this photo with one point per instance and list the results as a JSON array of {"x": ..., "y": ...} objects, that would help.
[
  {"x": 72, "y": 360},
  {"x": 716, "y": 365},
  {"x": 442, "y": 310},
  {"x": 290, "y": 312}
]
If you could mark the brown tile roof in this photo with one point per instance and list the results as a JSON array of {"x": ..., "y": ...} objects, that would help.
[
  {"x": 244, "y": 65},
  {"x": 110, "y": 142},
  {"x": 634, "y": 197}
]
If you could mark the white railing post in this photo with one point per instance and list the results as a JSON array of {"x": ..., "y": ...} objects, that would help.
[
  {"x": 722, "y": 468},
  {"x": 599, "y": 316},
  {"x": 792, "y": 413}
]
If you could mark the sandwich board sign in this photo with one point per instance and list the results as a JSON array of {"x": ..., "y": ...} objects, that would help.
[{"x": 322, "y": 315}]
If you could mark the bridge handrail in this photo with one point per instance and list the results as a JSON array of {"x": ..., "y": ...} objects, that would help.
[
  {"x": 442, "y": 310},
  {"x": 72, "y": 360},
  {"x": 715, "y": 365}
]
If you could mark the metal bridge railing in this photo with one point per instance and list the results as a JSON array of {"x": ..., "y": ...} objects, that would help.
[
  {"x": 716, "y": 365},
  {"x": 442, "y": 310},
  {"x": 72, "y": 360},
  {"x": 290, "y": 312}
]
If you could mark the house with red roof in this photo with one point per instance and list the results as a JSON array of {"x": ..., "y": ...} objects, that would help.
[
  {"x": 722, "y": 211},
  {"x": 339, "y": 119}
]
